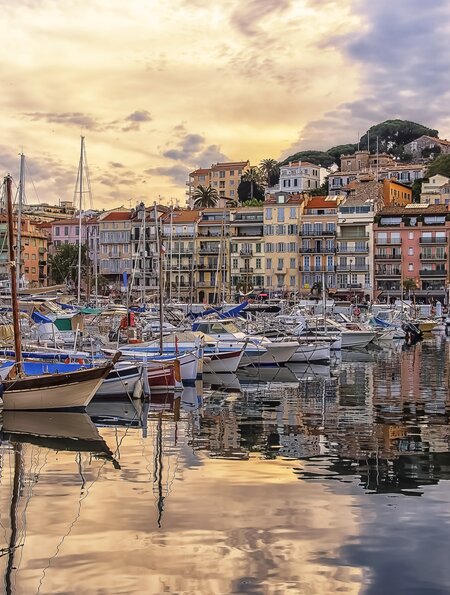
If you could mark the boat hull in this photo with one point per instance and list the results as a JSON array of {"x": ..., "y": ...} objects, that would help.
[
  {"x": 68, "y": 391},
  {"x": 225, "y": 362},
  {"x": 311, "y": 352},
  {"x": 120, "y": 382}
]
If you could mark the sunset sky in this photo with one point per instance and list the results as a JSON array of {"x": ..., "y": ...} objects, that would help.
[{"x": 159, "y": 88}]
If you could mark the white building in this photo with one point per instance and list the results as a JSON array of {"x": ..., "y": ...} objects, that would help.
[
  {"x": 436, "y": 191},
  {"x": 299, "y": 176}
]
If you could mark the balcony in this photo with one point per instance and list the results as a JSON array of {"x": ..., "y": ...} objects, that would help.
[
  {"x": 314, "y": 233},
  {"x": 322, "y": 250},
  {"x": 433, "y": 273},
  {"x": 433, "y": 256},
  {"x": 391, "y": 242},
  {"x": 350, "y": 286},
  {"x": 209, "y": 250},
  {"x": 323, "y": 269},
  {"x": 246, "y": 271},
  {"x": 364, "y": 250},
  {"x": 388, "y": 273},
  {"x": 353, "y": 268},
  {"x": 351, "y": 237},
  {"x": 434, "y": 240},
  {"x": 387, "y": 256},
  {"x": 246, "y": 253}
]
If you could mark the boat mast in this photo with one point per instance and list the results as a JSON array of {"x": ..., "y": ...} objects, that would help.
[
  {"x": 144, "y": 254},
  {"x": 80, "y": 174},
  {"x": 161, "y": 285},
  {"x": 13, "y": 275},
  {"x": 19, "y": 218}
]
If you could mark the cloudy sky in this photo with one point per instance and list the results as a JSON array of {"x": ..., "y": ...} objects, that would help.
[{"x": 159, "y": 87}]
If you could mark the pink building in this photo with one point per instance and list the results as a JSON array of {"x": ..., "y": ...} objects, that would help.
[
  {"x": 411, "y": 251},
  {"x": 66, "y": 231}
]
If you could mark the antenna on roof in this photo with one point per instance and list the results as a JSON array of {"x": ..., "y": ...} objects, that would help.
[{"x": 358, "y": 139}]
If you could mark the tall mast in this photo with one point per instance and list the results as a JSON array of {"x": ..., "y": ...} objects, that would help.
[
  {"x": 95, "y": 246},
  {"x": 171, "y": 253},
  {"x": 161, "y": 284},
  {"x": 13, "y": 265},
  {"x": 144, "y": 254},
  {"x": 19, "y": 218},
  {"x": 80, "y": 174}
]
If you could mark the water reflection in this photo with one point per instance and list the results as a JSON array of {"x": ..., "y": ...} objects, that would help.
[{"x": 261, "y": 483}]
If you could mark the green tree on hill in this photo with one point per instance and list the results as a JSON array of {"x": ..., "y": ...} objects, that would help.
[{"x": 440, "y": 165}]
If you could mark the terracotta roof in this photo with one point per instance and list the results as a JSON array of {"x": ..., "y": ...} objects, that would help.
[
  {"x": 321, "y": 202},
  {"x": 199, "y": 172},
  {"x": 117, "y": 216},
  {"x": 300, "y": 164},
  {"x": 229, "y": 165},
  {"x": 421, "y": 209},
  {"x": 182, "y": 216},
  {"x": 74, "y": 221}
]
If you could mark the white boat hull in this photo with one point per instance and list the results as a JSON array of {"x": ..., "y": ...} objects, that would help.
[
  {"x": 76, "y": 395},
  {"x": 222, "y": 362},
  {"x": 119, "y": 383},
  {"x": 311, "y": 352},
  {"x": 356, "y": 339}
]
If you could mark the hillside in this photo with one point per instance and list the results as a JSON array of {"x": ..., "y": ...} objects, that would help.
[{"x": 392, "y": 137}]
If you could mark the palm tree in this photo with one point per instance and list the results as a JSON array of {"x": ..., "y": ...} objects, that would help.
[
  {"x": 271, "y": 170},
  {"x": 254, "y": 176},
  {"x": 205, "y": 197}
]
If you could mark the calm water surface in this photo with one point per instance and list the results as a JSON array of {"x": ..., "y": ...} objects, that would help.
[{"x": 306, "y": 480}]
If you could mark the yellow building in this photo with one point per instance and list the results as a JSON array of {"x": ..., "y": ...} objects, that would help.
[
  {"x": 224, "y": 177},
  {"x": 282, "y": 217},
  {"x": 396, "y": 194}
]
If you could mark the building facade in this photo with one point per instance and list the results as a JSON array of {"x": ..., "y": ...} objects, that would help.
[
  {"x": 223, "y": 177},
  {"x": 318, "y": 243},
  {"x": 411, "y": 251},
  {"x": 115, "y": 246},
  {"x": 282, "y": 218},
  {"x": 436, "y": 191},
  {"x": 299, "y": 176},
  {"x": 247, "y": 249}
]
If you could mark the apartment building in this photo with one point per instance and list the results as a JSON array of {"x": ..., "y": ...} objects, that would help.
[
  {"x": 224, "y": 177},
  {"x": 381, "y": 166},
  {"x": 212, "y": 277},
  {"x": 33, "y": 263},
  {"x": 436, "y": 191},
  {"x": 318, "y": 243},
  {"x": 282, "y": 217},
  {"x": 67, "y": 231},
  {"x": 179, "y": 230},
  {"x": 411, "y": 251},
  {"x": 115, "y": 245},
  {"x": 46, "y": 212},
  {"x": 354, "y": 247},
  {"x": 299, "y": 176},
  {"x": 247, "y": 249}
]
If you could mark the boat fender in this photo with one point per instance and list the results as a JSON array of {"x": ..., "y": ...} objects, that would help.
[
  {"x": 177, "y": 370},
  {"x": 138, "y": 388},
  {"x": 356, "y": 312}
]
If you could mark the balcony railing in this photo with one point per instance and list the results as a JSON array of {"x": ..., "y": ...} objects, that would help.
[
  {"x": 435, "y": 240},
  {"x": 388, "y": 257},
  {"x": 246, "y": 270},
  {"x": 351, "y": 250},
  {"x": 433, "y": 273},
  {"x": 246, "y": 253},
  {"x": 210, "y": 250},
  {"x": 323, "y": 269},
  {"x": 353, "y": 268},
  {"x": 433, "y": 256},
  {"x": 391, "y": 242},
  {"x": 315, "y": 233},
  {"x": 387, "y": 273},
  {"x": 322, "y": 250}
]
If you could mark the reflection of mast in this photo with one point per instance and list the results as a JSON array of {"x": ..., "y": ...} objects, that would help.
[
  {"x": 13, "y": 515},
  {"x": 158, "y": 472}
]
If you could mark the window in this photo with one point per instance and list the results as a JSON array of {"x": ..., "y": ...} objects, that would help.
[
  {"x": 280, "y": 215},
  {"x": 281, "y": 247},
  {"x": 258, "y": 248},
  {"x": 231, "y": 182},
  {"x": 292, "y": 280},
  {"x": 410, "y": 251},
  {"x": 66, "y": 231},
  {"x": 235, "y": 263},
  {"x": 292, "y": 263},
  {"x": 292, "y": 213},
  {"x": 410, "y": 267},
  {"x": 292, "y": 247},
  {"x": 221, "y": 174},
  {"x": 33, "y": 270},
  {"x": 258, "y": 263},
  {"x": 268, "y": 213},
  {"x": 232, "y": 174},
  {"x": 280, "y": 264},
  {"x": 292, "y": 229},
  {"x": 269, "y": 247},
  {"x": 231, "y": 192},
  {"x": 215, "y": 184},
  {"x": 268, "y": 263},
  {"x": 33, "y": 257},
  {"x": 57, "y": 231}
]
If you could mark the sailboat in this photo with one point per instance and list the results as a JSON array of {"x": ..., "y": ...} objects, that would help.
[{"x": 70, "y": 390}]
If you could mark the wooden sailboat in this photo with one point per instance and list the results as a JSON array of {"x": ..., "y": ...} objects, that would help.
[{"x": 71, "y": 390}]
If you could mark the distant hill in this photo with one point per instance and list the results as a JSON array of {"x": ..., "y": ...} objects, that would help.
[{"x": 392, "y": 135}]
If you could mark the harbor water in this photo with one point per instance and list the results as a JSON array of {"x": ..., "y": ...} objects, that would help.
[{"x": 305, "y": 479}]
